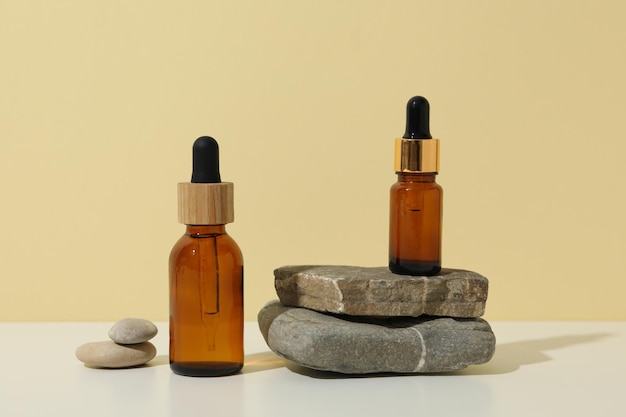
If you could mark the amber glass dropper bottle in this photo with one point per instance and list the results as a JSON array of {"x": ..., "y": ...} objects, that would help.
[
  {"x": 206, "y": 274},
  {"x": 416, "y": 199}
]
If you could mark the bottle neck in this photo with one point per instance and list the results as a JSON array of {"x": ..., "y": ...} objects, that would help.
[
  {"x": 202, "y": 230},
  {"x": 416, "y": 176}
]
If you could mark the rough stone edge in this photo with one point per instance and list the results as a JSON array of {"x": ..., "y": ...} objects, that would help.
[{"x": 289, "y": 277}]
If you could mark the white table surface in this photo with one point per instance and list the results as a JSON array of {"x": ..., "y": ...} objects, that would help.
[{"x": 539, "y": 369}]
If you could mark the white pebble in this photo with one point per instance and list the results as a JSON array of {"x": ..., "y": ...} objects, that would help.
[
  {"x": 108, "y": 354},
  {"x": 131, "y": 331}
]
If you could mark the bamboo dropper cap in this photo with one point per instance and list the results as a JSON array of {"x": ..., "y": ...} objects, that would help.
[{"x": 206, "y": 200}]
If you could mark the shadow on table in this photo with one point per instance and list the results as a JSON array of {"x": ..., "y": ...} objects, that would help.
[
  {"x": 509, "y": 357},
  {"x": 263, "y": 361},
  {"x": 254, "y": 362}
]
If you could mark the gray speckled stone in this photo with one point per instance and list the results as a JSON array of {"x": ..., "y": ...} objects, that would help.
[
  {"x": 362, "y": 291},
  {"x": 130, "y": 331},
  {"x": 351, "y": 346},
  {"x": 109, "y": 354}
]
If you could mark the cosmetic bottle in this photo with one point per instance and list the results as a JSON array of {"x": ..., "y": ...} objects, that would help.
[
  {"x": 206, "y": 274},
  {"x": 416, "y": 199}
]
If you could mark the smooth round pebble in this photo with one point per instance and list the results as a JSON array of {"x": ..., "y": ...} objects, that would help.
[
  {"x": 131, "y": 331},
  {"x": 109, "y": 354}
]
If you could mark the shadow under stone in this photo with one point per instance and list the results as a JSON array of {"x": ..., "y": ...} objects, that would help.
[{"x": 508, "y": 358}]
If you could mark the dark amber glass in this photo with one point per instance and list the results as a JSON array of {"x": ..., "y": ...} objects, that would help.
[
  {"x": 206, "y": 303},
  {"x": 415, "y": 225}
]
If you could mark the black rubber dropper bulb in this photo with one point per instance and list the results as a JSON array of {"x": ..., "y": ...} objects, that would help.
[
  {"x": 417, "y": 119},
  {"x": 206, "y": 161}
]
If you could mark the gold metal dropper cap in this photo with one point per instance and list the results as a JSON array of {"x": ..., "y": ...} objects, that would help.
[
  {"x": 417, "y": 155},
  {"x": 417, "y": 151}
]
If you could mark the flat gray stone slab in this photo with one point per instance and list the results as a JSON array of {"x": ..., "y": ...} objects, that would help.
[
  {"x": 397, "y": 345},
  {"x": 362, "y": 291}
]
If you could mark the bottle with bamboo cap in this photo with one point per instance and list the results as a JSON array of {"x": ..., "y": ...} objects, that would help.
[
  {"x": 416, "y": 199},
  {"x": 206, "y": 274}
]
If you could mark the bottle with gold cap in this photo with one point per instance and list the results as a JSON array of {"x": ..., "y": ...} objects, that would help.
[
  {"x": 416, "y": 199},
  {"x": 206, "y": 274}
]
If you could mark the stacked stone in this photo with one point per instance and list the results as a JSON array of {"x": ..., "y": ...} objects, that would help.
[
  {"x": 358, "y": 320},
  {"x": 128, "y": 346}
]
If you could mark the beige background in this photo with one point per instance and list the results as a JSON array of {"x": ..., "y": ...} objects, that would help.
[{"x": 100, "y": 102}]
